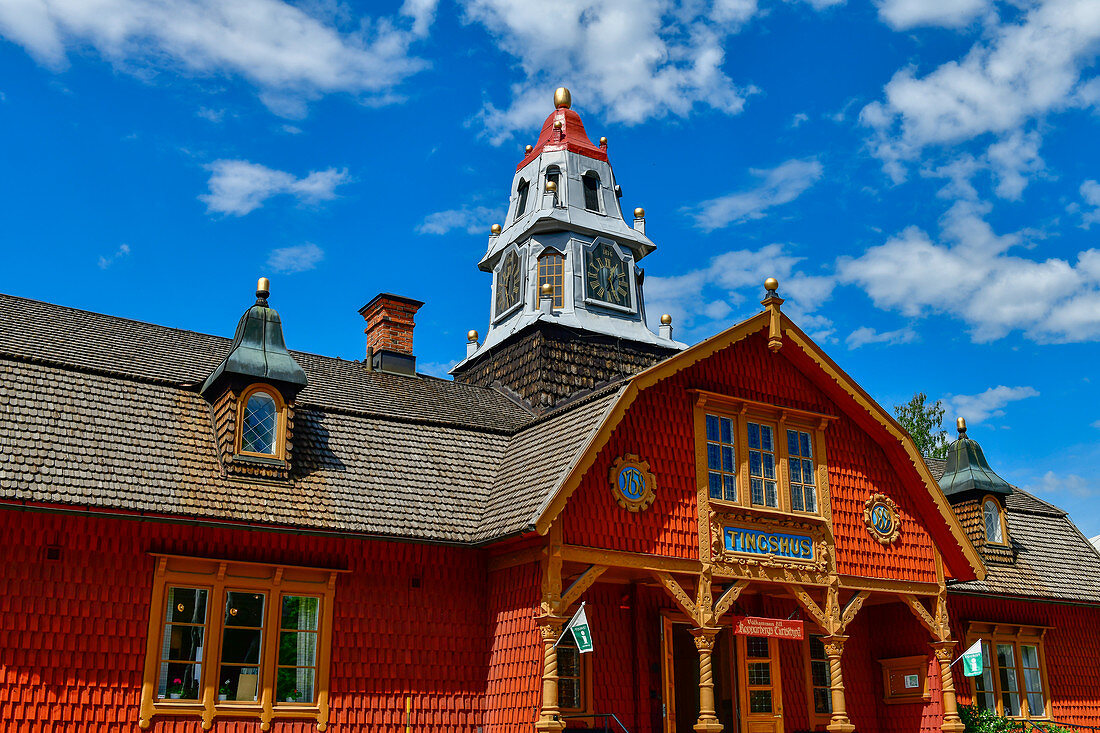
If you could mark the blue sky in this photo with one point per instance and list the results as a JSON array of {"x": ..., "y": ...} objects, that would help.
[{"x": 921, "y": 176}]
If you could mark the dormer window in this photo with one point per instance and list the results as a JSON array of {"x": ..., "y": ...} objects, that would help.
[
  {"x": 591, "y": 191},
  {"x": 994, "y": 521},
  {"x": 261, "y": 419},
  {"x": 521, "y": 193}
]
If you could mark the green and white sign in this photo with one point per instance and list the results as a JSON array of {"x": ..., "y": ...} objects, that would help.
[
  {"x": 972, "y": 660},
  {"x": 581, "y": 633}
]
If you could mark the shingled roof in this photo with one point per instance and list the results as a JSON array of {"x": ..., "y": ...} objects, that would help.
[
  {"x": 104, "y": 412},
  {"x": 1066, "y": 570}
]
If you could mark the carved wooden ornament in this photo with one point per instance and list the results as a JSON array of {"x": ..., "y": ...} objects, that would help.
[
  {"x": 632, "y": 483},
  {"x": 880, "y": 514}
]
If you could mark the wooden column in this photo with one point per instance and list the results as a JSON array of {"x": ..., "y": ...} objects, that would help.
[
  {"x": 952, "y": 723},
  {"x": 834, "y": 650},
  {"x": 549, "y": 715},
  {"x": 704, "y": 643}
]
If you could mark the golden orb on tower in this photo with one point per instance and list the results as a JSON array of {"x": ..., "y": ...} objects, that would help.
[
  {"x": 639, "y": 213},
  {"x": 551, "y": 186},
  {"x": 528, "y": 149},
  {"x": 562, "y": 98},
  {"x": 666, "y": 320},
  {"x": 495, "y": 229},
  {"x": 471, "y": 336},
  {"x": 547, "y": 290},
  {"x": 771, "y": 285}
]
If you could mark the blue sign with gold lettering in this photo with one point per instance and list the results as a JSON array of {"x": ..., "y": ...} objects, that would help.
[{"x": 756, "y": 542}]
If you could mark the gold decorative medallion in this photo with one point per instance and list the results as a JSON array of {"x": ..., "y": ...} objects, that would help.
[
  {"x": 633, "y": 484},
  {"x": 880, "y": 514}
]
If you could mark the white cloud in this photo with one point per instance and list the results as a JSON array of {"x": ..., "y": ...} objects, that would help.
[
  {"x": 1065, "y": 483},
  {"x": 823, "y": 4},
  {"x": 865, "y": 335},
  {"x": 1090, "y": 192},
  {"x": 288, "y": 54},
  {"x": 1019, "y": 72},
  {"x": 973, "y": 276},
  {"x": 289, "y": 260},
  {"x": 108, "y": 260},
  {"x": 702, "y": 300},
  {"x": 798, "y": 119},
  {"x": 630, "y": 60},
  {"x": 472, "y": 219},
  {"x": 905, "y": 14},
  {"x": 238, "y": 186},
  {"x": 1095, "y": 424},
  {"x": 439, "y": 369},
  {"x": 977, "y": 408},
  {"x": 780, "y": 185}
]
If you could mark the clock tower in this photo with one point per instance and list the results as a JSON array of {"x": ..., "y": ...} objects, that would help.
[{"x": 567, "y": 311}]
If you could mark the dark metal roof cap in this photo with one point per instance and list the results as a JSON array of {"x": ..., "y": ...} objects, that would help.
[
  {"x": 967, "y": 469},
  {"x": 258, "y": 349}
]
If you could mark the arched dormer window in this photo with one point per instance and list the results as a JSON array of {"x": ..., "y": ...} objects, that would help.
[
  {"x": 261, "y": 422},
  {"x": 994, "y": 521},
  {"x": 521, "y": 192},
  {"x": 591, "y": 181},
  {"x": 551, "y": 270},
  {"x": 553, "y": 174}
]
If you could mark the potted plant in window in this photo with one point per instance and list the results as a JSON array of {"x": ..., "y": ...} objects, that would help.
[
  {"x": 175, "y": 689},
  {"x": 294, "y": 695},
  {"x": 224, "y": 691}
]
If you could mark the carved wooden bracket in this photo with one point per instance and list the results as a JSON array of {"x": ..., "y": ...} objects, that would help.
[
  {"x": 683, "y": 600},
  {"x": 580, "y": 585},
  {"x": 728, "y": 598}
]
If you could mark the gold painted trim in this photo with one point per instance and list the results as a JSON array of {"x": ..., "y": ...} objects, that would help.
[
  {"x": 874, "y": 500},
  {"x": 649, "y": 481}
]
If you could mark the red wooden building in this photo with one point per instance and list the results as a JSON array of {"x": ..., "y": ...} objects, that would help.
[{"x": 205, "y": 533}]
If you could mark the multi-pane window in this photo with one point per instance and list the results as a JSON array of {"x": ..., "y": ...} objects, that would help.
[
  {"x": 260, "y": 424},
  {"x": 758, "y": 674},
  {"x": 570, "y": 674},
  {"x": 297, "y": 663},
  {"x": 762, "y": 465},
  {"x": 181, "y": 649},
  {"x": 551, "y": 269},
  {"x": 238, "y": 639},
  {"x": 721, "y": 455},
  {"x": 1012, "y": 680},
  {"x": 521, "y": 197},
  {"x": 801, "y": 463},
  {"x": 820, "y": 677},
  {"x": 591, "y": 191},
  {"x": 994, "y": 530}
]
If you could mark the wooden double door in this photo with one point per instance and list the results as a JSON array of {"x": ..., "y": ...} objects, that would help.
[{"x": 748, "y": 696}]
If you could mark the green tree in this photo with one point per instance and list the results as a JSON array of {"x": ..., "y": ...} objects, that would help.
[{"x": 924, "y": 421}]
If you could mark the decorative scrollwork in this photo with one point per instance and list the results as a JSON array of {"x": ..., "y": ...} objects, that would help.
[
  {"x": 632, "y": 483},
  {"x": 881, "y": 516}
]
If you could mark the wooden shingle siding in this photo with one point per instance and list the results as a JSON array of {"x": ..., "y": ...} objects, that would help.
[
  {"x": 72, "y": 631},
  {"x": 514, "y": 686}
]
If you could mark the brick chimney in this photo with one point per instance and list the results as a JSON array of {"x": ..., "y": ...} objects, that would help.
[{"x": 390, "y": 333}]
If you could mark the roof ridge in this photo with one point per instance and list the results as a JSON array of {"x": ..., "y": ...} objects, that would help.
[{"x": 1057, "y": 509}]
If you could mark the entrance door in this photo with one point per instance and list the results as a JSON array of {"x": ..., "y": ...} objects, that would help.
[
  {"x": 760, "y": 688},
  {"x": 680, "y": 672}
]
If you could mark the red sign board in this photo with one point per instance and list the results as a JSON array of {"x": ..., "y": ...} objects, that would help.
[{"x": 774, "y": 628}]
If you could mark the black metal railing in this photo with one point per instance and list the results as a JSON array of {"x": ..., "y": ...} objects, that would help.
[{"x": 607, "y": 719}]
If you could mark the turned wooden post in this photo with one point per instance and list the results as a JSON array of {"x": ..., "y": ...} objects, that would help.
[
  {"x": 704, "y": 643},
  {"x": 834, "y": 649},
  {"x": 549, "y": 715},
  {"x": 952, "y": 723}
]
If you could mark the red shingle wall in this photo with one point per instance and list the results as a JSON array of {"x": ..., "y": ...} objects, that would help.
[
  {"x": 514, "y": 689},
  {"x": 658, "y": 427},
  {"x": 73, "y": 631},
  {"x": 1071, "y": 646}
]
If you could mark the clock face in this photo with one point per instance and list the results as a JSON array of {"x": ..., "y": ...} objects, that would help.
[
  {"x": 508, "y": 283},
  {"x": 607, "y": 276}
]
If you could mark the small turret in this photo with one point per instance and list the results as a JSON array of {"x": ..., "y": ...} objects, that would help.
[{"x": 968, "y": 470}]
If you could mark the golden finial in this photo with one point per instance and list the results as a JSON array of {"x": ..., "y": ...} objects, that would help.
[
  {"x": 603, "y": 142},
  {"x": 495, "y": 229},
  {"x": 528, "y": 149},
  {"x": 562, "y": 98},
  {"x": 547, "y": 290},
  {"x": 471, "y": 336},
  {"x": 666, "y": 320},
  {"x": 639, "y": 213},
  {"x": 551, "y": 186},
  {"x": 263, "y": 287},
  {"x": 960, "y": 423},
  {"x": 557, "y": 124},
  {"x": 771, "y": 285}
]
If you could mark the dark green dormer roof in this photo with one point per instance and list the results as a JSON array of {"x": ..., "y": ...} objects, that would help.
[
  {"x": 258, "y": 350},
  {"x": 967, "y": 469}
]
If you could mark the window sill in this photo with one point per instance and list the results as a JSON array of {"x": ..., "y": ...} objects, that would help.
[
  {"x": 765, "y": 512},
  {"x": 232, "y": 709},
  {"x": 258, "y": 459}
]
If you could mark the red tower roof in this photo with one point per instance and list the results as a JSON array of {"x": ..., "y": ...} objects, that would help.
[{"x": 569, "y": 135}]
